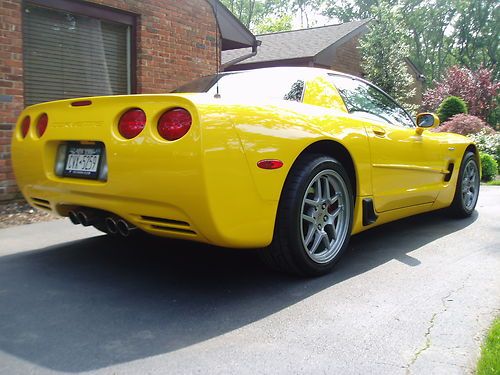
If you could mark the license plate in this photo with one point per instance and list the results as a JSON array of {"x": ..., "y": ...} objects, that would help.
[{"x": 83, "y": 161}]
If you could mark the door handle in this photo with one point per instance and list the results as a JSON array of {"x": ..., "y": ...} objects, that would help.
[{"x": 379, "y": 132}]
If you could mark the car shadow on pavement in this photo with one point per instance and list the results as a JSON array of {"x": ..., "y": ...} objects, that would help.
[{"x": 96, "y": 302}]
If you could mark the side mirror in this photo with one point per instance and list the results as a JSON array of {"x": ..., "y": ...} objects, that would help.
[{"x": 426, "y": 121}]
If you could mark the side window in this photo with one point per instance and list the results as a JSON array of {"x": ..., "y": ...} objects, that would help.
[{"x": 369, "y": 102}]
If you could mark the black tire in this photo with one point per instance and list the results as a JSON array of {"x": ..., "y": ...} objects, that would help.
[
  {"x": 467, "y": 190},
  {"x": 292, "y": 250}
]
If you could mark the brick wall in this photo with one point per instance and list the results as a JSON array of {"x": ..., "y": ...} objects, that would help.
[
  {"x": 347, "y": 58},
  {"x": 11, "y": 88},
  {"x": 176, "y": 42}
]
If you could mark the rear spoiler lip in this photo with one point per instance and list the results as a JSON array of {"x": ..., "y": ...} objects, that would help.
[{"x": 93, "y": 99}]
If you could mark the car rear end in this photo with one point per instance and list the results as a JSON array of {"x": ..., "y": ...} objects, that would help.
[{"x": 127, "y": 162}]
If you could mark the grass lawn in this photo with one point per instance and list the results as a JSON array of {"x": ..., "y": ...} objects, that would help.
[
  {"x": 489, "y": 363},
  {"x": 494, "y": 182}
]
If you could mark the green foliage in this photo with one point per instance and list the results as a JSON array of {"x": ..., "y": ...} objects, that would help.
[
  {"x": 384, "y": 52},
  {"x": 494, "y": 116},
  {"x": 450, "y": 107},
  {"x": 440, "y": 33},
  {"x": 245, "y": 10},
  {"x": 489, "y": 363},
  {"x": 477, "y": 33},
  {"x": 489, "y": 167},
  {"x": 273, "y": 24},
  {"x": 264, "y": 16}
]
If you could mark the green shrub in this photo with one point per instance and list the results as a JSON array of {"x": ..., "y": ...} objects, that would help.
[
  {"x": 450, "y": 107},
  {"x": 489, "y": 167}
]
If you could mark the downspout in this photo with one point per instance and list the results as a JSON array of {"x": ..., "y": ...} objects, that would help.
[{"x": 241, "y": 58}]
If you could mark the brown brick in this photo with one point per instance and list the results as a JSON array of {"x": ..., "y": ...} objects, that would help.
[{"x": 176, "y": 43}]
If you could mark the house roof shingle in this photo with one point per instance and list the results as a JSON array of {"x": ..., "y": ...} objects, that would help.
[{"x": 297, "y": 43}]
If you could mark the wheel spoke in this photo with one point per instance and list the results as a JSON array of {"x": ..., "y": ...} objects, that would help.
[
  {"x": 311, "y": 202},
  {"x": 326, "y": 240},
  {"x": 317, "y": 241},
  {"x": 335, "y": 198},
  {"x": 310, "y": 234},
  {"x": 319, "y": 193},
  {"x": 334, "y": 231},
  {"x": 337, "y": 212},
  {"x": 327, "y": 188},
  {"x": 308, "y": 218}
]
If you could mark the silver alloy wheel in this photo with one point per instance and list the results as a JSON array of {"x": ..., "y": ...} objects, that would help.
[
  {"x": 470, "y": 184},
  {"x": 325, "y": 216}
]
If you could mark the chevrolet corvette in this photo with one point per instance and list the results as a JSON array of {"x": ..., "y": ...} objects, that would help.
[{"x": 292, "y": 161}]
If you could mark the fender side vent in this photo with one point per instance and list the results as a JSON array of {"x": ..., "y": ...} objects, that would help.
[
  {"x": 168, "y": 225},
  {"x": 160, "y": 221},
  {"x": 41, "y": 203},
  {"x": 174, "y": 230},
  {"x": 447, "y": 176},
  {"x": 369, "y": 215}
]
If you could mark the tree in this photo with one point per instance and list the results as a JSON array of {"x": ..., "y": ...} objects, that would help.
[
  {"x": 477, "y": 34},
  {"x": 272, "y": 15},
  {"x": 245, "y": 10},
  {"x": 440, "y": 33},
  {"x": 384, "y": 52},
  {"x": 476, "y": 87},
  {"x": 350, "y": 10},
  {"x": 273, "y": 24}
]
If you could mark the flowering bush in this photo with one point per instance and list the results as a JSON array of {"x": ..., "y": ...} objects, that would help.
[
  {"x": 489, "y": 143},
  {"x": 465, "y": 125},
  {"x": 477, "y": 88}
]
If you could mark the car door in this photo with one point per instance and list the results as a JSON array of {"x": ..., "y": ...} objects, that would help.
[{"x": 407, "y": 168}]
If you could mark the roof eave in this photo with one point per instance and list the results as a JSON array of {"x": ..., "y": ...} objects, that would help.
[
  {"x": 234, "y": 34},
  {"x": 325, "y": 57}
]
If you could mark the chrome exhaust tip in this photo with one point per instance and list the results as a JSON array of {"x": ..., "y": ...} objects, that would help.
[
  {"x": 84, "y": 218},
  {"x": 73, "y": 217},
  {"x": 123, "y": 228},
  {"x": 111, "y": 225}
]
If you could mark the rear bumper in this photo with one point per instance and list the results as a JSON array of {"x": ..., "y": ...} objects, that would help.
[{"x": 196, "y": 188}]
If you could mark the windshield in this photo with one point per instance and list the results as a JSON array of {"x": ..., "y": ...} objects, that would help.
[{"x": 254, "y": 84}]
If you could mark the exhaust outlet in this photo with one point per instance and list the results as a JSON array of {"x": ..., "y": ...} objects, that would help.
[
  {"x": 123, "y": 228},
  {"x": 74, "y": 217},
  {"x": 111, "y": 225},
  {"x": 84, "y": 218}
]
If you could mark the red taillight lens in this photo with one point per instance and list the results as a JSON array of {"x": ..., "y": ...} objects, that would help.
[
  {"x": 174, "y": 124},
  {"x": 131, "y": 123},
  {"x": 25, "y": 126},
  {"x": 41, "y": 125}
]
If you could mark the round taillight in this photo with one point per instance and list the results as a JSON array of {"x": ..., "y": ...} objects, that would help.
[
  {"x": 41, "y": 125},
  {"x": 131, "y": 123},
  {"x": 174, "y": 124},
  {"x": 25, "y": 126}
]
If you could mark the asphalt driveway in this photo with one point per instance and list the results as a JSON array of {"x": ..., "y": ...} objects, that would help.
[{"x": 413, "y": 296}]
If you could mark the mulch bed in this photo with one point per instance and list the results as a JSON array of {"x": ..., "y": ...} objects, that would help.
[{"x": 20, "y": 213}]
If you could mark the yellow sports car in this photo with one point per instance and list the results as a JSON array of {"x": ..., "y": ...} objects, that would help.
[{"x": 290, "y": 160}]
